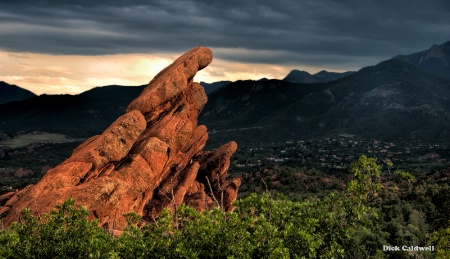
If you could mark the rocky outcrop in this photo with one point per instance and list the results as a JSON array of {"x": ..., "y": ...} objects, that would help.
[{"x": 148, "y": 159}]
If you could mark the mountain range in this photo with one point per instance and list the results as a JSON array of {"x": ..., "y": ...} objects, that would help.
[
  {"x": 74, "y": 115},
  {"x": 392, "y": 100},
  {"x": 401, "y": 98}
]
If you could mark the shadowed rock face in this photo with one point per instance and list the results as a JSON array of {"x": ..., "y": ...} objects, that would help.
[{"x": 148, "y": 159}]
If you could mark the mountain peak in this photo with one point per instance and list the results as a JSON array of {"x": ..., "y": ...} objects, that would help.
[
  {"x": 435, "y": 60},
  {"x": 435, "y": 52},
  {"x": 299, "y": 72},
  {"x": 298, "y": 76},
  {"x": 12, "y": 93},
  {"x": 322, "y": 72}
]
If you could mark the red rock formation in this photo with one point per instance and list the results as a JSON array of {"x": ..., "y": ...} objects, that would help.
[{"x": 148, "y": 159}]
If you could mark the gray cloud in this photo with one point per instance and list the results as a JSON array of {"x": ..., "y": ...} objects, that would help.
[{"x": 326, "y": 33}]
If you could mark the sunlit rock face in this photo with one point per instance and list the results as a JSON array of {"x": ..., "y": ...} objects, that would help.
[{"x": 148, "y": 159}]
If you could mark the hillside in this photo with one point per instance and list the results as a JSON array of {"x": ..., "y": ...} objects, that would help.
[
  {"x": 390, "y": 100},
  {"x": 211, "y": 87},
  {"x": 11, "y": 93},
  {"x": 242, "y": 110},
  {"x": 74, "y": 115}
]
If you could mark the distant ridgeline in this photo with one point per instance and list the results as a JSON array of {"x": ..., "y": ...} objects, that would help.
[
  {"x": 406, "y": 97},
  {"x": 303, "y": 77},
  {"x": 12, "y": 93}
]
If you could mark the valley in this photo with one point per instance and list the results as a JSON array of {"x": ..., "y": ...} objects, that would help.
[
  {"x": 22, "y": 139},
  {"x": 21, "y": 166}
]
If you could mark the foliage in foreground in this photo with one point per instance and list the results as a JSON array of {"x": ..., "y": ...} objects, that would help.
[
  {"x": 260, "y": 227},
  {"x": 340, "y": 225}
]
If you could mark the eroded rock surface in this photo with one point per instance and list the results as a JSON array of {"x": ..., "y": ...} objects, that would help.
[{"x": 148, "y": 159}]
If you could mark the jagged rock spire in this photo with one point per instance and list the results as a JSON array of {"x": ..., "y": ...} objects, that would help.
[{"x": 148, "y": 159}]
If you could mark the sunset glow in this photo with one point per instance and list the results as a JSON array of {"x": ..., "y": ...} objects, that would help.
[{"x": 70, "y": 74}]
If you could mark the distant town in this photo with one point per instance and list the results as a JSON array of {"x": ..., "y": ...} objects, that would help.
[
  {"x": 335, "y": 154},
  {"x": 331, "y": 155}
]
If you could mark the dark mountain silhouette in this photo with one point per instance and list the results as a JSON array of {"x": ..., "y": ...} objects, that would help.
[
  {"x": 211, "y": 87},
  {"x": 242, "y": 109},
  {"x": 12, "y": 93},
  {"x": 435, "y": 60},
  {"x": 74, "y": 115},
  {"x": 325, "y": 76},
  {"x": 297, "y": 76},
  {"x": 392, "y": 100}
]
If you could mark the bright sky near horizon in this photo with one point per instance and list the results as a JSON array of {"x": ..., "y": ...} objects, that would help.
[
  {"x": 72, "y": 74},
  {"x": 58, "y": 47}
]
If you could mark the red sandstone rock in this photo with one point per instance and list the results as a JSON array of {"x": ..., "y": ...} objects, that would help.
[{"x": 148, "y": 159}]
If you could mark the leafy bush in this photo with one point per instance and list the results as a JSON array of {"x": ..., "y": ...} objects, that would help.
[
  {"x": 63, "y": 233},
  {"x": 355, "y": 223}
]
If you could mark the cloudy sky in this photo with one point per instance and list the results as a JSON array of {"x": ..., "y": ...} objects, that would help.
[{"x": 58, "y": 46}]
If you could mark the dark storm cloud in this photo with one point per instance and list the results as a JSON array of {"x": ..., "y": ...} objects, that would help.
[{"x": 309, "y": 32}]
